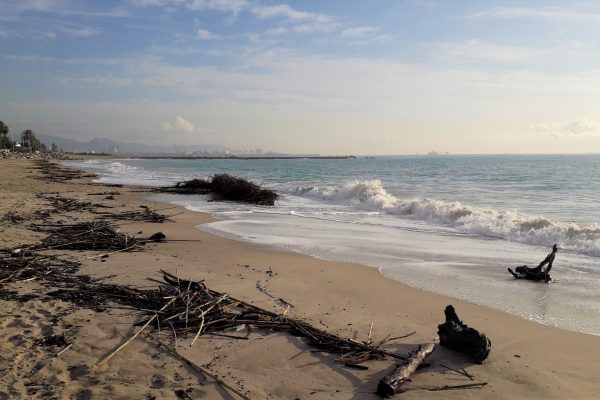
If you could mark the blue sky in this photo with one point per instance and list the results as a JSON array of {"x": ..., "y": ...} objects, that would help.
[{"x": 329, "y": 76}]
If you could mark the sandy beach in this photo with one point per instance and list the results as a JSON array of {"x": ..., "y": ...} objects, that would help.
[{"x": 528, "y": 360}]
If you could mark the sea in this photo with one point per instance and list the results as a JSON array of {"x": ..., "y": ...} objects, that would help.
[{"x": 449, "y": 224}]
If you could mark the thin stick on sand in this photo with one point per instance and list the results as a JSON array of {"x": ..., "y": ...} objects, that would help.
[
  {"x": 19, "y": 272},
  {"x": 122, "y": 346},
  {"x": 65, "y": 349},
  {"x": 198, "y": 368},
  {"x": 202, "y": 317}
]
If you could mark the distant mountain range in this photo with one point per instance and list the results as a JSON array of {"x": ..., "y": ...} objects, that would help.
[{"x": 103, "y": 145}]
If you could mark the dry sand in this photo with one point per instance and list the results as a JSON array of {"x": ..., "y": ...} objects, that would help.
[{"x": 528, "y": 360}]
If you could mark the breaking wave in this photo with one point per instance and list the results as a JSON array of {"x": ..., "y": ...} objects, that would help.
[
  {"x": 119, "y": 168},
  {"x": 509, "y": 225}
]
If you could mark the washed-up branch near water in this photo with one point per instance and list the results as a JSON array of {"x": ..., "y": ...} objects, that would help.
[
  {"x": 226, "y": 187},
  {"x": 145, "y": 215}
]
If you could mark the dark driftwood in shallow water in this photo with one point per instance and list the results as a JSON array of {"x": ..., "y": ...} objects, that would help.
[
  {"x": 226, "y": 187},
  {"x": 456, "y": 335},
  {"x": 524, "y": 272},
  {"x": 391, "y": 384}
]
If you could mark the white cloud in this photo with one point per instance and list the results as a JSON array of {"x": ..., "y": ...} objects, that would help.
[
  {"x": 207, "y": 35},
  {"x": 29, "y": 58},
  {"x": 60, "y": 7},
  {"x": 82, "y": 33},
  {"x": 482, "y": 51},
  {"x": 422, "y": 3},
  {"x": 234, "y": 6},
  {"x": 86, "y": 81},
  {"x": 578, "y": 128},
  {"x": 280, "y": 30},
  {"x": 551, "y": 13},
  {"x": 47, "y": 35},
  {"x": 155, "y": 3},
  {"x": 359, "y": 31},
  {"x": 314, "y": 27},
  {"x": 180, "y": 124},
  {"x": 304, "y": 22},
  {"x": 37, "y": 5},
  {"x": 3, "y": 35},
  {"x": 351, "y": 81},
  {"x": 289, "y": 13}
]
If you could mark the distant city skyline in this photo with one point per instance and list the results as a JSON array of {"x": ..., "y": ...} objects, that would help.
[{"x": 327, "y": 77}]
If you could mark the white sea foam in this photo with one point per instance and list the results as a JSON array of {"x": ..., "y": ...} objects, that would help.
[
  {"x": 369, "y": 197},
  {"x": 509, "y": 225},
  {"x": 120, "y": 168}
]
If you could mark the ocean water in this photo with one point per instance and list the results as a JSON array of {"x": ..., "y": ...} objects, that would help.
[{"x": 446, "y": 224}]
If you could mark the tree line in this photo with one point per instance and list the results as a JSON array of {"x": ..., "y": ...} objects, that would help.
[{"x": 28, "y": 140}]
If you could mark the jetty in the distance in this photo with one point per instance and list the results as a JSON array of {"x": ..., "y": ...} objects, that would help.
[{"x": 148, "y": 157}]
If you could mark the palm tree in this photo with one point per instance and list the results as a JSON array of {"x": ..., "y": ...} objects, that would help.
[
  {"x": 4, "y": 140},
  {"x": 28, "y": 139}
]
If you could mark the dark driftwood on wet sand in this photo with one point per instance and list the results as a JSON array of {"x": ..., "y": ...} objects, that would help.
[
  {"x": 456, "y": 335},
  {"x": 391, "y": 384},
  {"x": 226, "y": 187},
  {"x": 524, "y": 272}
]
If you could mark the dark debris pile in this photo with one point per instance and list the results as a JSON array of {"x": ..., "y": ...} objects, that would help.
[
  {"x": 226, "y": 187},
  {"x": 95, "y": 235}
]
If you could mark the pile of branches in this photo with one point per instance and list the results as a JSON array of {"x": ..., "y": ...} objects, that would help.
[
  {"x": 95, "y": 235},
  {"x": 12, "y": 217},
  {"x": 53, "y": 172},
  {"x": 145, "y": 215},
  {"x": 226, "y": 187},
  {"x": 96, "y": 295},
  {"x": 25, "y": 265},
  {"x": 189, "y": 308},
  {"x": 60, "y": 203},
  {"x": 186, "y": 307}
]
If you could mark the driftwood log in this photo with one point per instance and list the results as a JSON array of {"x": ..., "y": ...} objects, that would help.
[
  {"x": 524, "y": 272},
  {"x": 391, "y": 384},
  {"x": 456, "y": 335}
]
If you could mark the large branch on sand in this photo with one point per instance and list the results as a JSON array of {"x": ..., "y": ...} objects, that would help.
[{"x": 391, "y": 384}]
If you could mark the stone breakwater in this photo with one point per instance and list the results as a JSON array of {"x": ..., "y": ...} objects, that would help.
[{"x": 36, "y": 155}]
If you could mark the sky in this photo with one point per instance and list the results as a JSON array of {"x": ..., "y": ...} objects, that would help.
[{"x": 312, "y": 76}]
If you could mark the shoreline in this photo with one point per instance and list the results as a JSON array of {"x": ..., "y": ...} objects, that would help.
[{"x": 343, "y": 297}]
